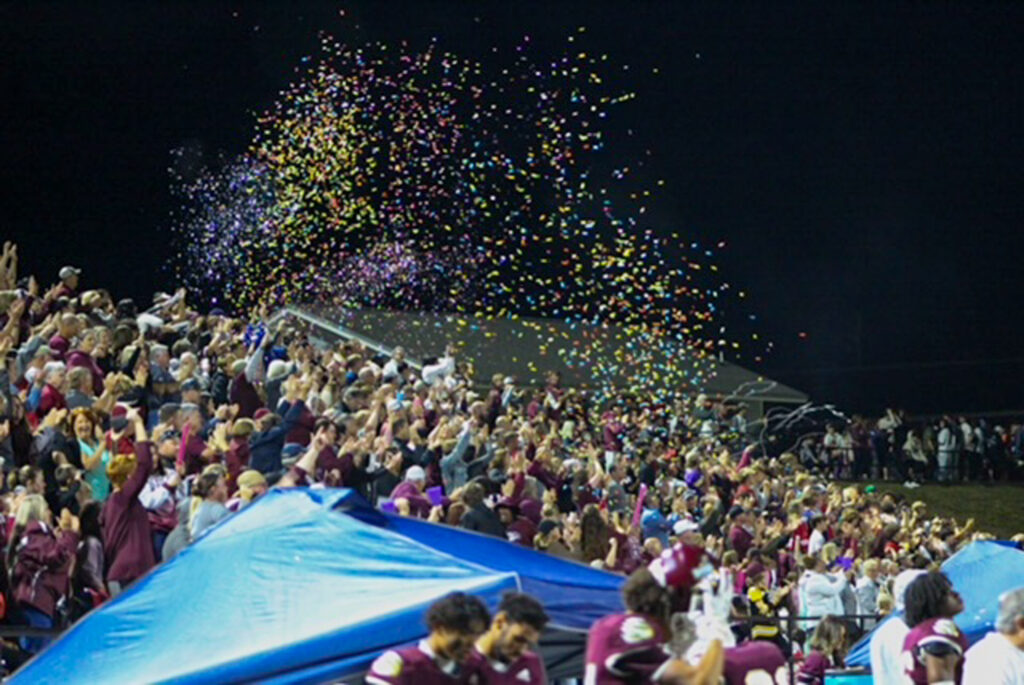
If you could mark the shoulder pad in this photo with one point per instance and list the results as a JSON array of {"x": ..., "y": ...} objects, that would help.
[
  {"x": 388, "y": 664},
  {"x": 636, "y": 629}
]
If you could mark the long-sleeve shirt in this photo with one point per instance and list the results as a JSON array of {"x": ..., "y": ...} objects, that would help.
[
  {"x": 127, "y": 540},
  {"x": 265, "y": 447},
  {"x": 419, "y": 505},
  {"x": 454, "y": 467}
]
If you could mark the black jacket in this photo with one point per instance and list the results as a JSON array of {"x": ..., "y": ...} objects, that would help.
[{"x": 483, "y": 520}]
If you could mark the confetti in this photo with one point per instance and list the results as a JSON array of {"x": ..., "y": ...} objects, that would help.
[{"x": 420, "y": 180}]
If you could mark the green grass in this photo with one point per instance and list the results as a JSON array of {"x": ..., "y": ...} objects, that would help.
[{"x": 997, "y": 509}]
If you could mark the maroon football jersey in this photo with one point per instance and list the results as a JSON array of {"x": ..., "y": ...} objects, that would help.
[
  {"x": 624, "y": 649},
  {"x": 756, "y": 663},
  {"x": 418, "y": 666},
  {"x": 942, "y": 631},
  {"x": 526, "y": 670}
]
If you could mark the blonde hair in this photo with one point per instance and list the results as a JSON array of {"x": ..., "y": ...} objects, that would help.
[
  {"x": 829, "y": 552},
  {"x": 885, "y": 603},
  {"x": 32, "y": 508},
  {"x": 870, "y": 566},
  {"x": 120, "y": 468}
]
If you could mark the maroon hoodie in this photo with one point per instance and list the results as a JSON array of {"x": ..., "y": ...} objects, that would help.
[
  {"x": 127, "y": 541},
  {"x": 42, "y": 563},
  {"x": 86, "y": 361}
]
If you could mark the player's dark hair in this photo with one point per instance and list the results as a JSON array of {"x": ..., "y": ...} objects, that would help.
[
  {"x": 926, "y": 597},
  {"x": 460, "y": 613},
  {"x": 522, "y": 608},
  {"x": 642, "y": 594}
]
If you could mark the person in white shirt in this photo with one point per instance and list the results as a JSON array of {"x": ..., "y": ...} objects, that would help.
[
  {"x": 819, "y": 524},
  {"x": 886, "y": 645},
  {"x": 998, "y": 658},
  {"x": 820, "y": 592},
  {"x": 436, "y": 374}
]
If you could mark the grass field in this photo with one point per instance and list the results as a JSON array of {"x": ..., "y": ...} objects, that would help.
[{"x": 998, "y": 509}]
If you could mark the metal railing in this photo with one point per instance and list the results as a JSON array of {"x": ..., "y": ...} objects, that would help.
[{"x": 792, "y": 625}]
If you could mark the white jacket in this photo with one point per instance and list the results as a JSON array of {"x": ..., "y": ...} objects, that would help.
[{"x": 820, "y": 595}]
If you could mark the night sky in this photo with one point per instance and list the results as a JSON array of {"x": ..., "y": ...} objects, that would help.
[{"x": 861, "y": 161}]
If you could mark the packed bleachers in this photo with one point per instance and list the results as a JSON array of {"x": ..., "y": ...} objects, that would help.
[{"x": 128, "y": 431}]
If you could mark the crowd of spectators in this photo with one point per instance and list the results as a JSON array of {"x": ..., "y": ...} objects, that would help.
[
  {"x": 126, "y": 432},
  {"x": 895, "y": 447}
]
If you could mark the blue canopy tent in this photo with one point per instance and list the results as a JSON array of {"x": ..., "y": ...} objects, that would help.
[
  {"x": 308, "y": 586},
  {"x": 980, "y": 572}
]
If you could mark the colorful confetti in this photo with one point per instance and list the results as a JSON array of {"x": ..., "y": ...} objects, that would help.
[{"x": 392, "y": 178}]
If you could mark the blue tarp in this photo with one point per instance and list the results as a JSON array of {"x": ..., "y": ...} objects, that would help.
[
  {"x": 980, "y": 572},
  {"x": 292, "y": 591}
]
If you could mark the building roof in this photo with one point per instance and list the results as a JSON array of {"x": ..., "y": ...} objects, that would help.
[{"x": 525, "y": 348}]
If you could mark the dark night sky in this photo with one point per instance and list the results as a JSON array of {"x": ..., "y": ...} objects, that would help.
[{"x": 863, "y": 161}]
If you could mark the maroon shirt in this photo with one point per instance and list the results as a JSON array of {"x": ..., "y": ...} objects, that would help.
[
  {"x": 624, "y": 648},
  {"x": 302, "y": 430},
  {"x": 755, "y": 658},
  {"x": 236, "y": 459},
  {"x": 50, "y": 398},
  {"x": 194, "y": 449},
  {"x": 942, "y": 631},
  {"x": 526, "y": 670},
  {"x": 327, "y": 462},
  {"x": 541, "y": 473},
  {"x": 612, "y": 435},
  {"x": 740, "y": 540},
  {"x": 41, "y": 566},
  {"x": 86, "y": 361},
  {"x": 127, "y": 541},
  {"x": 417, "y": 666},
  {"x": 812, "y": 670},
  {"x": 521, "y": 532},
  {"x": 419, "y": 505},
  {"x": 244, "y": 394}
]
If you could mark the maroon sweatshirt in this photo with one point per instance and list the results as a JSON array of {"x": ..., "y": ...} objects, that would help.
[
  {"x": 127, "y": 541},
  {"x": 41, "y": 566}
]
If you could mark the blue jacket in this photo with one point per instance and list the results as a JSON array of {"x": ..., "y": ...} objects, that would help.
[{"x": 265, "y": 446}]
